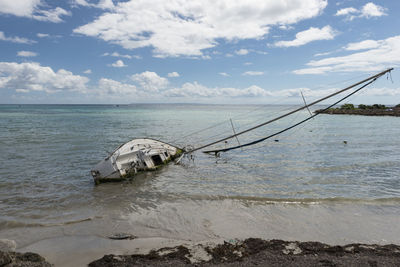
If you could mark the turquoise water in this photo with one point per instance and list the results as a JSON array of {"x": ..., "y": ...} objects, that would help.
[{"x": 305, "y": 184}]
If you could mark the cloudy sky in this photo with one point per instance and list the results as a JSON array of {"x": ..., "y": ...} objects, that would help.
[{"x": 209, "y": 51}]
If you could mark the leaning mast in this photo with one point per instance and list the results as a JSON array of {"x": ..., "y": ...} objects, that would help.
[{"x": 369, "y": 80}]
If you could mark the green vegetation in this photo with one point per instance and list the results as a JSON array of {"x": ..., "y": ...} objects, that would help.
[
  {"x": 368, "y": 110},
  {"x": 347, "y": 106},
  {"x": 362, "y": 106}
]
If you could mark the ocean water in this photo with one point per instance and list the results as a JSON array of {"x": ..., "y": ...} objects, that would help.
[{"x": 335, "y": 179}]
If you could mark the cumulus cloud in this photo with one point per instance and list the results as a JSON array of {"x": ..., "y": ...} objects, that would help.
[
  {"x": 26, "y": 54},
  {"x": 173, "y": 74},
  {"x": 197, "y": 90},
  {"x": 150, "y": 81},
  {"x": 242, "y": 52},
  {"x": 369, "y": 10},
  {"x": 33, "y": 9},
  {"x": 253, "y": 73},
  {"x": 346, "y": 11},
  {"x": 15, "y": 39},
  {"x": 112, "y": 87},
  {"x": 27, "y": 77},
  {"x": 116, "y": 54},
  {"x": 374, "y": 56},
  {"x": 118, "y": 64},
  {"x": 20, "y": 8},
  {"x": 186, "y": 28},
  {"x": 310, "y": 35},
  {"x": 102, "y": 4}
]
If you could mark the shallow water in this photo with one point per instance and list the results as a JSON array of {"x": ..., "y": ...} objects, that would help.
[{"x": 306, "y": 184}]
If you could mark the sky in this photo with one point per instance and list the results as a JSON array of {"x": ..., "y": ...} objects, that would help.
[{"x": 208, "y": 51}]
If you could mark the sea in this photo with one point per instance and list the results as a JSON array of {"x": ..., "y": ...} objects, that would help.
[{"x": 334, "y": 179}]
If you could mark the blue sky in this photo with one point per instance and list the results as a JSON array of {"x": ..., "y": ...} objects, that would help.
[{"x": 210, "y": 51}]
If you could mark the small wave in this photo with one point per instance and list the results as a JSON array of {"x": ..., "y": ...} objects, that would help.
[
  {"x": 307, "y": 201},
  {"x": 17, "y": 224}
]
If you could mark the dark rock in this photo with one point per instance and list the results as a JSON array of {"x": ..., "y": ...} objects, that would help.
[
  {"x": 255, "y": 251},
  {"x": 14, "y": 259}
]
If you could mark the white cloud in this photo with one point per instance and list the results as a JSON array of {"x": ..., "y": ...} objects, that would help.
[
  {"x": 173, "y": 74},
  {"x": 310, "y": 35},
  {"x": 88, "y": 71},
  {"x": 31, "y": 9},
  {"x": 346, "y": 11},
  {"x": 53, "y": 15},
  {"x": 367, "y": 44},
  {"x": 322, "y": 54},
  {"x": 242, "y": 52},
  {"x": 369, "y": 10},
  {"x": 196, "y": 90},
  {"x": 382, "y": 92},
  {"x": 378, "y": 55},
  {"x": 253, "y": 73},
  {"x": 116, "y": 54},
  {"x": 26, "y": 54},
  {"x": 26, "y": 77},
  {"x": 118, "y": 64},
  {"x": 111, "y": 87},
  {"x": 43, "y": 35},
  {"x": 15, "y": 39},
  {"x": 224, "y": 74},
  {"x": 186, "y": 28},
  {"x": 150, "y": 81},
  {"x": 286, "y": 27},
  {"x": 102, "y": 4},
  {"x": 20, "y": 8},
  {"x": 372, "y": 10}
]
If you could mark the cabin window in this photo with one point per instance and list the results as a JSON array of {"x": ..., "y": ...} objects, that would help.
[{"x": 157, "y": 159}]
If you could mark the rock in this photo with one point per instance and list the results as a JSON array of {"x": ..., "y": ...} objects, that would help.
[
  {"x": 7, "y": 245},
  {"x": 255, "y": 251},
  {"x": 28, "y": 259},
  {"x": 5, "y": 258}
]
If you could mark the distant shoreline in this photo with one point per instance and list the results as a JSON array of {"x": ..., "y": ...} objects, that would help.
[{"x": 374, "y": 110}]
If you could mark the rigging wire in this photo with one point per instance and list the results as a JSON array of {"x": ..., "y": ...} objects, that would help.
[
  {"x": 239, "y": 126},
  {"x": 288, "y": 128}
]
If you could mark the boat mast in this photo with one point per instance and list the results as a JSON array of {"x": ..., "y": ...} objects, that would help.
[{"x": 371, "y": 78}]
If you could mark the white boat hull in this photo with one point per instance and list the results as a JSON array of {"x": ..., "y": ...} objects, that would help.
[{"x": 135, "y": 156}]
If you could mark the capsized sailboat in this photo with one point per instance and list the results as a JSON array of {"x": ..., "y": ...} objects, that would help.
[
  {"x": 145, "y": 154},
  {"x": 136, "y": 156}
]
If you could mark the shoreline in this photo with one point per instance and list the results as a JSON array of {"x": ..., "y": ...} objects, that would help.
[
  {"x": 250, "y": 251},
  {"x": 363, "y": 112}
]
